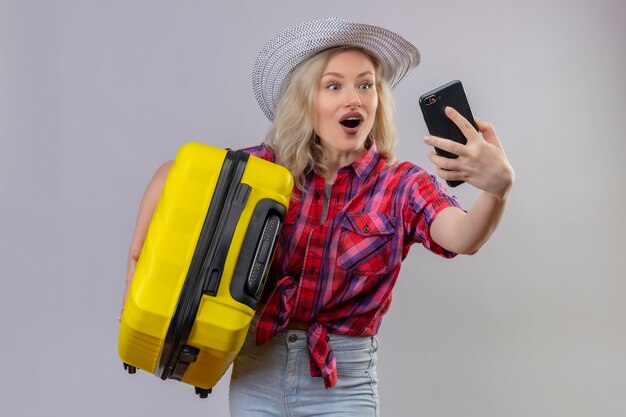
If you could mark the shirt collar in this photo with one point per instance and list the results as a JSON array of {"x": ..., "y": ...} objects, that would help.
[{"x": 366, "y": 163}]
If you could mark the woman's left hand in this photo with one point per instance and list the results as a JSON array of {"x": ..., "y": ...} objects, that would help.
[{"x": 481, "y": 162}]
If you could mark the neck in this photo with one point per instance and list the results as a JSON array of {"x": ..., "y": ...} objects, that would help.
[
  {"x": 336, "y": 160},
  {"x": 334, "y": 164}
]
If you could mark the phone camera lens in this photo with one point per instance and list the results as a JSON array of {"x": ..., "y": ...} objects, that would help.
[{"x": 431, "y": 100}]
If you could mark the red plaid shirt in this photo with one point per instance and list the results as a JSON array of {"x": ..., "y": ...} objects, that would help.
[{"x": 337, "y": 273}]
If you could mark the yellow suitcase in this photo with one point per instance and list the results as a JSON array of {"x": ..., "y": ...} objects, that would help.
[{"x": 203, "y": 265}]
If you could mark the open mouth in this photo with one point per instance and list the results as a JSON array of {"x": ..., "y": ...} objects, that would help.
[{"x": 351, "y": 122}]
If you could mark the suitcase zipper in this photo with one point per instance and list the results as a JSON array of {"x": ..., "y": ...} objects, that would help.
[{"x": 206, "y": 266}]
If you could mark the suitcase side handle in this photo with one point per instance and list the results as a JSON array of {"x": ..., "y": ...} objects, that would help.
[{"x": 257, "y": 252}]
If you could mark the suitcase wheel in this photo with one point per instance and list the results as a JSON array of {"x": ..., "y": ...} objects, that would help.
[
  {"x": 203, "y": 393},
  {"x": 130, "y": 368}
]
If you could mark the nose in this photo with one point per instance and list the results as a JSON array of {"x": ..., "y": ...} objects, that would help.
[{"x": 354, "y": 100}]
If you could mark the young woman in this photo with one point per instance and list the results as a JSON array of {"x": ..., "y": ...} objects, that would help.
[{"x": 354, "y": 214}]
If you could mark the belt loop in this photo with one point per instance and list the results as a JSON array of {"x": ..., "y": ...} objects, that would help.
[{"x": 374, "y": 343}]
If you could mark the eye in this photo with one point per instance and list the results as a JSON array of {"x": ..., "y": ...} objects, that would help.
[
  {"x": 366, "y": 86},
  {"x": 333, "y": 86}
]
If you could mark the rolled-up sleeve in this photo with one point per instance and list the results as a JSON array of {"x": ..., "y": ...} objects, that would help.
[{"x": 426, "y": 198}]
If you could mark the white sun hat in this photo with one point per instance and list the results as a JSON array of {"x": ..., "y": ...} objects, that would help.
[{"x": 284, "y": 52}]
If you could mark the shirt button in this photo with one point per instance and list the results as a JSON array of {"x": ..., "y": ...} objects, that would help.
[
  {"x": 366, "y": 229},
  {"x": 292, "y": 338}
]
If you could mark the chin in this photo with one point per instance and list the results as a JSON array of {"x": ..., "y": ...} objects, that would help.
[{"x": 345, "y": 143}]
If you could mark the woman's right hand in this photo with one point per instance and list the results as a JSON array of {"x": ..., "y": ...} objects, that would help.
[{"x": 146, "y": 211}]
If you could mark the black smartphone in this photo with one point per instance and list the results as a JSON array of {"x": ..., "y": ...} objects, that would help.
[{"x": 433, "y": 104}]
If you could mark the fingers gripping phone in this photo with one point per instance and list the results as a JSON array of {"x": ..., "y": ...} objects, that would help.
[{"x": 433, "y": 104}]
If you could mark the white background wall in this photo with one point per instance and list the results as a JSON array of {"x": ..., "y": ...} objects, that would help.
[{"x": 94, "y": 95}]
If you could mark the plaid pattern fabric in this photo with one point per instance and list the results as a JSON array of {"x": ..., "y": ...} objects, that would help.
[{"x": 337, "y": 273}]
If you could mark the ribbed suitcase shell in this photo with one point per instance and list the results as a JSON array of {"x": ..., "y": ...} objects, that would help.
[{"x": 221, "y": 322}]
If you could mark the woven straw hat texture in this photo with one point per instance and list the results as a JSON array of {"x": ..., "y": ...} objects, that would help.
[{"x": 284, "y": 52}]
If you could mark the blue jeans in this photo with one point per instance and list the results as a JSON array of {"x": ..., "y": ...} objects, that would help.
[{"x": 274, "y": 379}]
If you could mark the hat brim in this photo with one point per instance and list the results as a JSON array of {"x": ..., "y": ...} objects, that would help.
[{"x": 282, "y": 54}]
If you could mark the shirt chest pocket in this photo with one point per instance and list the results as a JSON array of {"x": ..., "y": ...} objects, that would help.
[{"x": 366, "y": 243}]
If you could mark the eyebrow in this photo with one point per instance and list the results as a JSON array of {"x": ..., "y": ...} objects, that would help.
[{"x": 336, "y": 74}]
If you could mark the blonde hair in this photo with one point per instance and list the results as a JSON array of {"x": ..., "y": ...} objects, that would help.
[{"x": 292, "y": 138}]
